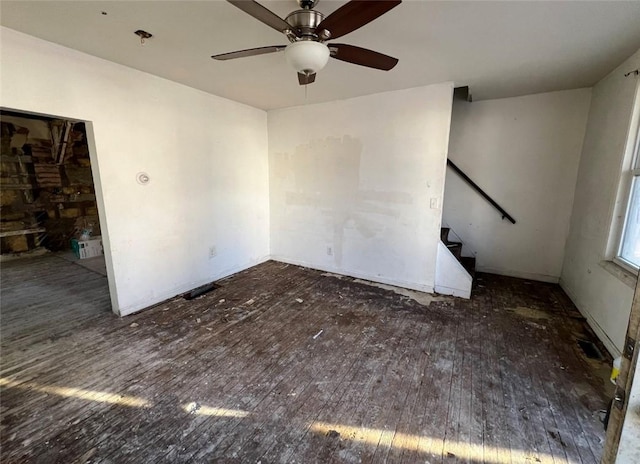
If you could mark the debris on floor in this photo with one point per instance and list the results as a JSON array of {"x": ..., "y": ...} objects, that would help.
[
  {"x": 333, "y": 434},
  {"x": 199, "y": 291},
  {"x": 530, "y": 313},
  {"x": 192, "y": 408}
]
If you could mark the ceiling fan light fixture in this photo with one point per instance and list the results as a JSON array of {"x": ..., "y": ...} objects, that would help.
[{"x": 307, "y": 56}]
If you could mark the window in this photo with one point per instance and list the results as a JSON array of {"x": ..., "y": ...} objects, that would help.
[
  {"x": 629, "y": 250},
  {"x": 630, "y": 244}
]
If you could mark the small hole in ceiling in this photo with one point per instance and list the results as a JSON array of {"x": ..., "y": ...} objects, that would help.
[
  {"x": 144, "y": 35},
  {"x": 104, "y": 13}
]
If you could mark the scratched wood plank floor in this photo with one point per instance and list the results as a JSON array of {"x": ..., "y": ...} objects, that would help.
[{"x": 242, "y": 376}]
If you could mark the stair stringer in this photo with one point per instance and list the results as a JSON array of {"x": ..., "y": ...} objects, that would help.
[{"x": 451, "y": 277}]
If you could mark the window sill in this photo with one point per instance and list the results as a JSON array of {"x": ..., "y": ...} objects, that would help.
[{"x": 626, "y": 276}]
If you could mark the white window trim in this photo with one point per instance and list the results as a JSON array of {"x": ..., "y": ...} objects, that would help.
[{"x": 626, "y": 265}]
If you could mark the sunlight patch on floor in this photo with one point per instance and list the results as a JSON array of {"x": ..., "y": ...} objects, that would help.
[
  {"x": 432, "y": 446},
  {"x": 70, "y": 392}
]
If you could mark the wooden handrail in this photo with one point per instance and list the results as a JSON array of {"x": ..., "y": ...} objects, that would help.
[{"x": 458, "y": 171}]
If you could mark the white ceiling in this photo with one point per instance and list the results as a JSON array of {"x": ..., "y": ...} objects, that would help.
[{"x": 499, "y": 49}]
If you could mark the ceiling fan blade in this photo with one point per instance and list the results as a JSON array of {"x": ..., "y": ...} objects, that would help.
[
  {"x": 354, "y": 15},
  {"x": 362, "y": 56},
  {"x": 249, "y": 52},
  {"x": 305, "y": 79},
  {"x": 262, "y": 14}
]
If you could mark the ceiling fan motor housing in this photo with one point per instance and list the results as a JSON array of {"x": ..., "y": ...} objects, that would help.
[{"x": 306, "y": 22}]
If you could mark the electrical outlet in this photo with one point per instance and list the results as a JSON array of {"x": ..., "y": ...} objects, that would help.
[
  {"x": 434, "y": 203},
  {"x": 212, "y": 251},
  {"x": 329, "y": 251}
]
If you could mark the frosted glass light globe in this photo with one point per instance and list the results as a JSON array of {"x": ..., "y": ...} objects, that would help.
[{"x": 306, "y": 56}]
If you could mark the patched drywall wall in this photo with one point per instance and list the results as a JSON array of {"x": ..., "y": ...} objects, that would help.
[
  {"x": 356, "y": 185},
  {"x": 524, "y": 152},
  {"x": 205, "y": 212},
  {"x": 600, "y": 294}
]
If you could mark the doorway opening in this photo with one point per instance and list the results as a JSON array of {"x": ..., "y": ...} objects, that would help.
[{"x": 49, "y": 204}]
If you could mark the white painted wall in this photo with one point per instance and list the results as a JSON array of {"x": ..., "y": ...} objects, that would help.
[
  {"x": 206, "y": 156},
  {"x": 601, "y": 295},
  {"x": 524, "y": 152},
  {"x": 351, "y": 183}
]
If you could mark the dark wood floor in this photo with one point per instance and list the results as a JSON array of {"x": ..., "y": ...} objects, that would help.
[{"x": 285, "y": 364}]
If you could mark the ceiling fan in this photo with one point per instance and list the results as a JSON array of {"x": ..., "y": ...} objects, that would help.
[{"x": 308, "y": 30}]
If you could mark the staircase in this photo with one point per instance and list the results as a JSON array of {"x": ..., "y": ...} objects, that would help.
[
  {"x": 469, "y": 263},
  {"x": 454, "y": 272}
]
